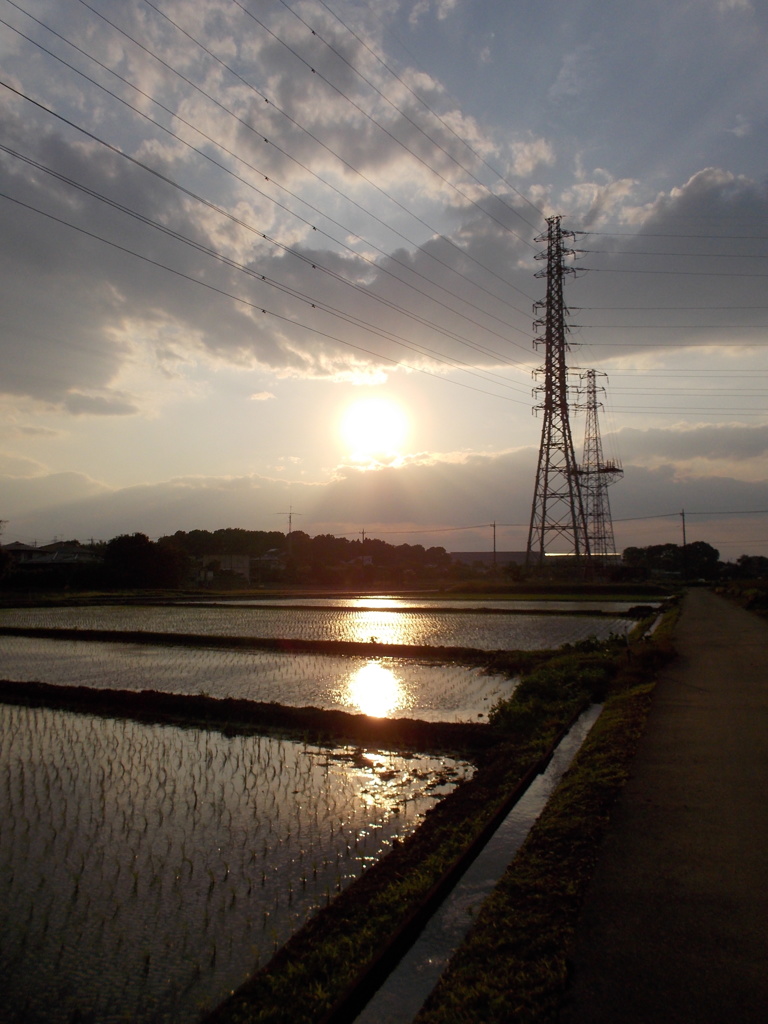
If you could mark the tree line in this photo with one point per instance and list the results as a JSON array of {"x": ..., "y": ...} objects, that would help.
[{"x": 133, "y": 561}]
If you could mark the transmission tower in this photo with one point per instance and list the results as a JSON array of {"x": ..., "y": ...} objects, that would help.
[
  {"x": 595, "y": 475},
  {"x": 557, "y": 512}
]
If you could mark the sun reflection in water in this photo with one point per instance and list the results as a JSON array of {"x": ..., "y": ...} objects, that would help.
[
  {"x": 382, "y": 627},
  {"x": 375, "y": 690}
]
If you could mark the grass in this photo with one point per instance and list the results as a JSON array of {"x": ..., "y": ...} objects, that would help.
[
  {"x": 513, "y": 965},
  {"x": 312, "y": 971},
  {"x": 310, "y": 975},
  {"x": 750, "y": 594}
]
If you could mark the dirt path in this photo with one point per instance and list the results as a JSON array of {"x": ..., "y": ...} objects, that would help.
[{"x": 675, "y": 928}]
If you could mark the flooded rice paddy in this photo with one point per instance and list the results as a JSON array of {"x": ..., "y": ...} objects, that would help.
[
  {"x": 397, "y": 625},
  {"x": 383, "y": 687},
  {"x": 449, "y": 604},
  {"x": 145, "y": 870}
]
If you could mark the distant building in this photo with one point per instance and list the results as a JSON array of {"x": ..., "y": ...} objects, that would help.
[
  {"x": 231, "y": 565},
  {"x": 29, "y": 556},
  {"x": 19, "y": 552},
  {"x": 485, "y": 559}
]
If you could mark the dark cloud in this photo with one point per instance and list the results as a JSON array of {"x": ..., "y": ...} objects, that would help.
[
  {"x": 721, "y": 441},
  {"x": 431, "y": 501},
  {"x": 687, "y": 277}
]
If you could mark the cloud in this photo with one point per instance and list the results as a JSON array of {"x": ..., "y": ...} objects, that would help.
[
  {"x": 307, "y": 307},
  {"x": 743, "y": 127},
  {"x": 98, "y": 405},
  {"x": 451, "y": 500},
  {"x": 37, "y": 495},
  {"x": 445, "y": 8},
  {"x": 530, "y": 155},
  {"x": 70, "y": 327},
  {"x": 436, "y": 493},
  {"x": 576, "y": 74},
  {"x": 678, "y": 262},
  {"x": 20, "y": 466},
  {"x": 694, "y": 452},
  {"x": 442, "y": 8},
  {"x": 600, "y": 202},
  {"x": 318, "y": 273},
  {"x": 45, "y": 432},
  {"x": 715, "y": 442}
]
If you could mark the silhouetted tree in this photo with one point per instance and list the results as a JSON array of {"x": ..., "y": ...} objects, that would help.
[
  {"x": 696, "y": 560},
  {"x": 134, "y": 561},
  {"x": 5, "y": 558},
  {"x": 752, "y": 567}
]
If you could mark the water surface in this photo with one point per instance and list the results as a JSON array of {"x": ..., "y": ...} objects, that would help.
[
  {"x": 145, "y": 869},
  {"x": 382, "y": 687},
  {"x": 427, "y": 626}
]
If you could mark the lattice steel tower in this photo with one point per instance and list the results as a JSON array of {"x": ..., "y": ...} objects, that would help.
[
  {"x": 557, "y": 511},
  {"x": 595, "y": 475}
]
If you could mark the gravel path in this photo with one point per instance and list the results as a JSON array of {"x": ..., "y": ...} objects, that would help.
[{"x": 675, "y": 927}]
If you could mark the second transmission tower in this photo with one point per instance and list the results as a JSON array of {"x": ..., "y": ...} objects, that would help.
[
  {"x": 557, "y": 513},
  {"x": 595, "y": 474}
]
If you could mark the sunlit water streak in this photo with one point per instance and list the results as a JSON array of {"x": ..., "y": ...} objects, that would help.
[
  {"x": 456, "y": 605},
  {"x": 430, "y": 627},
  {"x": 384, "y": 687},
  {"x": 145, "y": 869}
]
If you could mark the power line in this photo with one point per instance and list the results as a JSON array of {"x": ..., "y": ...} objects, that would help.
[
  {"x": 253, "y": 305},
  {"x": 271, "y": 142},
  {"x": 410, "y": 270},
  {"x": 369, "y": 117},
  {"x": 325, "y": 307},
  {"x": 444, "y": 123},
  {"x": 672, "y": 327},
  {"x": 255, "y": 275},
  {"x": 654, "y": 309},
  {"x": 696, "y": 255},
  {"x": 379, "y": 268},
  {"x": 305, "y": 259},
  {"x": 667, "y": 273},
  {"x": 487, "y": 526},
  {"x": 668, "y": 515},
  {"x": 651, "y": 234},
  {"x": 418, "y": 128}
]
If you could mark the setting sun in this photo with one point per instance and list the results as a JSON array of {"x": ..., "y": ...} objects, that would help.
[{"x": 374, "y": 429}]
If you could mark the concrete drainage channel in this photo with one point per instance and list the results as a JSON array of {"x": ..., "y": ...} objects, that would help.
[{"x": 411, "y": 975}]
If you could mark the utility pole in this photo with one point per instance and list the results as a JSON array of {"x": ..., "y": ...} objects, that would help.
[
  {"x": 595, "y": 474},
  {"x": 557, "y": 511}
]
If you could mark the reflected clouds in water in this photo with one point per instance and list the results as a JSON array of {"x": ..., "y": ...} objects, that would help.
[{"x": 375, "y": 690}]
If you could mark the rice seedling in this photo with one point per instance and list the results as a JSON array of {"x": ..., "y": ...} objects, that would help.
[{"x": 145, "y": 838}]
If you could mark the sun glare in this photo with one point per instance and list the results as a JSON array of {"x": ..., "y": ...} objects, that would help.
[
  {"x": 375, "y": 690},
  {"x": 374, "y": 429}
]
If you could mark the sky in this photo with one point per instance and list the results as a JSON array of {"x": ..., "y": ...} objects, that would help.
[{"x": 272, "y": 257}]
